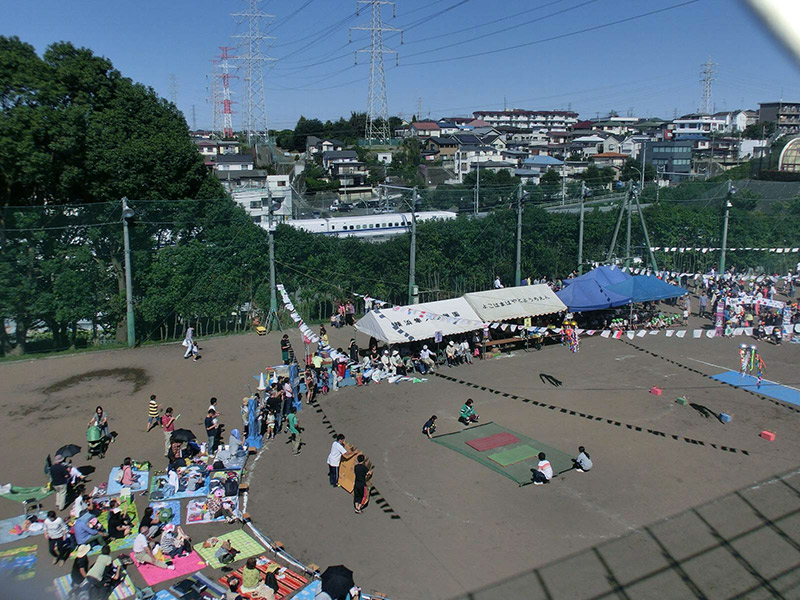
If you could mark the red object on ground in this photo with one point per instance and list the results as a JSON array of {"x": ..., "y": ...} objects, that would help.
[
  {"x": 493, "y": 441},
  {"x": 768, "y": 435},
  {"x": 656, "y": 391},
  {"x": 288, "y": 584}
]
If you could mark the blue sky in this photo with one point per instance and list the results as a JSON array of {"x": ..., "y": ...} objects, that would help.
[{"x": 649, "y": 65}]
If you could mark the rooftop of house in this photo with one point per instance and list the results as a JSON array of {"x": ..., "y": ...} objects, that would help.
[
  {"x": 443, "y": 141},
  {"x": 542, "y": 160},
  {"x": 528, "y": 113},
  {"x": 235, "y": 158},
  {"x": 333, "y": 154},
  {"x": 425, "y": 125},
  {"x": 610, "y": 155}
]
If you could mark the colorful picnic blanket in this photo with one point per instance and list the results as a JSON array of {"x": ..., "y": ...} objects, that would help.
[
  {"x": 184, "y": 565},
  {"x": 20, "y": 494},
  {"x": 193, "y": 472},
  {"x": 124, "y": 590},
  {"x": 173, "y": 506},
  {"x": 218, "y": 478},
  {"x": 19, "y": 563},
  {"x": 240, "y": 540},
  {"x": 310, "y": 591},
  {"x": 129, "y": 507},
  {"x": 115, "y": 488},
  {"x": 288, "y": 581},
  {"x": 11, "y": 529},
  {"x": 197, "y": 510},
  {"x": 212, "y": 588}
]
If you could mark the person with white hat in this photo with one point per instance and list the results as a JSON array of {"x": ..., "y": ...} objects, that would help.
[
  {"x": 386, "y": 361},
  {"x": 397, "y": 363},
  {"x": 80, "y": 566},
  {"x": 425, "y": 359},
  {"x": 450, "y": 352}
]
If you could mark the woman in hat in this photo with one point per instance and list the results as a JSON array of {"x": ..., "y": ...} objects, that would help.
[
  {"x": 253, "y": 581},
  {"x": 80, "y": 566},
  {"x": 352, "y": 348}
]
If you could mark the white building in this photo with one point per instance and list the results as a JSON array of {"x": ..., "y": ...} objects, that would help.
[
  {"x": 234, "y": 162},
  {"x": 697, "y": 123},
  {"x": 528, "y": 119},
  {"x": 255, "y": 200}
]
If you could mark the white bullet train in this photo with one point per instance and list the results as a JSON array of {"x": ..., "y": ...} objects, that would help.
[{"x": 368, "y": 225}]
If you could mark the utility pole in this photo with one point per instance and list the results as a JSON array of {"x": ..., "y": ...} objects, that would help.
[
  {"x": 272, "y": 317},
  {"x": 564, "y": 181},
  {"x": 580, "y": 230},
  {"x": 478, "y": 186},
  {"x": 377, "y": 128},
  {"x": 518, "y": 270},
  {"x": 728, "y": 204},
  {"x": 644, "y": 152},
  {"x": 412, "y": 260},
  {"x": 127, "y": 215},
  {"x": 628, "y": 235}
]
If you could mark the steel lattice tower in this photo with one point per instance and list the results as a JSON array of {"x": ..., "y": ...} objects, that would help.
[
  {"x": 214, "y": 99},
  {"x": 227, "y": 104},
  {"x": 253, "y": 58},
  {"x": 377, "y": 129},
  {"x": 707, "y": 76}
]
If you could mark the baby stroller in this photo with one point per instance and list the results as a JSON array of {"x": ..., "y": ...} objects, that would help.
[{"x": 95, "y": 442}]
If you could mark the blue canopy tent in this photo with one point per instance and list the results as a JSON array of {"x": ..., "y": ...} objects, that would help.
[
  {"x": 586, "y": 295},
  {"x": 604, "y": 276},
  {"x": 646, "y": 288}
]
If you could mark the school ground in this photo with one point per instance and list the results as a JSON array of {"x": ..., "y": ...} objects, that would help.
[{"x": 678, "y": 504}]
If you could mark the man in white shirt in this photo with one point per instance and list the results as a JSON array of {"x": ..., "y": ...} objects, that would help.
[
  {"x": 142, "y": 552},
  {"x": 338, "y": 451},
  {"x": 466, "y": 351},
  {"x": 55, "y": 531},
  {"x": 583, "y": 463},
  {"x": 544, "y": 471},
  {"x": 425, "y": 359},
  {"x": 497, "y": 283}
]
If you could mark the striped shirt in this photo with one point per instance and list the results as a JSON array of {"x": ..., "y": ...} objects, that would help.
[{"x": 152, "y": 410}]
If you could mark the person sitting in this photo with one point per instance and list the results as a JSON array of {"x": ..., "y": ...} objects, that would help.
[
  {"x": 216, "y": 506},
  {"x": 226, "y": 553},
  {"x": 174, "y": 541},
  {"x": 583, "y": 462},
  {"x": 253, "y": 581},
  {"x": 386, "y": 363},
  {"x": 153, "y": 522},
  {"x": 104, "y": 574},
  {"x": 89, "y": 531},
  {"x": 466, "y": 351},
  {"x": 142, "y": 552},
  {"x": 543, "y": 472},
  {"x": 397, "y": 363},
  {"x": 426, "y": 358},
  {"x": 430, "y": 426},
  {"x": 468, "y": 414},
  {"x": 119, "y": 524},
  {"x": 450, "y": 353},
  {"x": 129, "y": 478}
]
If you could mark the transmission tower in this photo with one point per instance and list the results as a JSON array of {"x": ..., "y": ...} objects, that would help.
[
  {"x": 253, "y": 57},
  {"x": 377, "y": 128},
  {"x": 173, "y": 89},
  {"x": 707, "y": 76},
  {"x": 214, "y": 97},
  {"x": 225, "y": 77},
  {"x": 194, "y": 118}
]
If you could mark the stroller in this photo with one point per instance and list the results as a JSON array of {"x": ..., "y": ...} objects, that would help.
[{"x": 95, "y": 442}]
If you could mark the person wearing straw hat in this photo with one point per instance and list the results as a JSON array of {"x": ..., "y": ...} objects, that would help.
[{"x": 80, "y": 566}]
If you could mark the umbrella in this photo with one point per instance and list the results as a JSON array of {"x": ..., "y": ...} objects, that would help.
[
  {"x": 337, "y": 582},
  {"x": 69, "y": 450},
  {"x": 183, "y": 435}
]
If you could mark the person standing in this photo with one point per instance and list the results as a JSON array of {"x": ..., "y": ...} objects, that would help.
[
  {"x": 55, "y": 532},
  {"x": 703, "y": 304},
  {"x": 153, "y": 413},
  {"x": 338, "y": 451},
  {"x": 100, "y": 419},
  {"x": 352, "y": 349},
  {"x": 350, "y": 313},
  {"x": 294, "y": 430},
  {"x": 543, "y": 472},
  {"x": 59, "y": 478},
  {"x": 285, "y": 347},
  {"x": 360, "y": 488},
  {"x": 212, "y": 431},
  {"x": 168, "y": 426},
  {"x": 288, "y": 396},
  {"x": 188, "y": 342},
  {"x": 275, "y": 405}
]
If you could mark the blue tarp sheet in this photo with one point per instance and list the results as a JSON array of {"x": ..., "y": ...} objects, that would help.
[
  {"x": 646, "y": 288},
  {"x": 604, "y": 276},
  {"x": 585, "y": 295}
]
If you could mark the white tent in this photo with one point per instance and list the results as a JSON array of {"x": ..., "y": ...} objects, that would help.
[
  {"x": 515, "y": 302},
  {"x": 419, "y": 321}
]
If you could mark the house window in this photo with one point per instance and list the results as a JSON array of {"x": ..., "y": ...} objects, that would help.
[
  {"x": 281, "y": 184},
  {"x": 255, "y": 204},
  {"x": 257, "y": 219}
]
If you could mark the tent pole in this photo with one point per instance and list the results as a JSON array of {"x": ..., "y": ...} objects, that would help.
[
  {"x": 616, "y": 229},
  {"x": 646, "y": 236}
]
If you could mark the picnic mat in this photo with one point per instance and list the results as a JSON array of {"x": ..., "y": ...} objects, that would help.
[
  {"x": 493, "y": 441},
  {"x": 184, "y": 565},
  {"x": 212, "y": 588},
  {"x": 196, "y": 510},
  {"x": 519, "y": 471},
  {"x": 160, "y": 480},
  {"x": 172, "y": 505},
  {"x": 240, "y": 540},
  {"x": 20, "y": 494},
  {"x": 11, "y": 529},
  {"x": 19, "y": 563},
  {"x": 115, "y": 488},
  {"x": 164, "y": 595},
  {"x": 129, "y": 507},
  {"x": 514, "y": 455},
  {"x": 288, "y": 581},
  {"x": 63, "y": 587},
  {"x": 310, "y": 591}
]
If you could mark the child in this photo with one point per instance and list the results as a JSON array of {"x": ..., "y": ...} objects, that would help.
[
  {"x": 543, "y": 472},
  {"x": 271, "y": 425},
  {"x": 153, "y": 413}
]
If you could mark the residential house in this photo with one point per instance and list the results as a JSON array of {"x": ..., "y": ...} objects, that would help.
[
  {"x": 632, "y": 145},
  {"x": 515, "y": 156},
  {"x": 442, "y": 147},
  {"x": 698, "y": 124},
  {"x": 533, "y": 168},
  {"x": 255, "y": 199},
  {"x": 619, "y": 126},
  {"x": 737, "y": 120},
  {"x": 385, "y": 158},
  {"x": 700, "y": 142},
  {"x": 424, "y": 129},
  {"x": 785, "y": 115},
  {"x": 447, "y": 128},
  {"x": 457, "y": 121},
  {"x": 587, "y": 145},
  {"x": 344, "y": 167},
  {"x": 316, "y": 146},
  {"x": 234, "y": 162},
  {"x": 610, "y": 159},
  {"x": 495, "y": 166},
  {"x": 333, "y": 156}
]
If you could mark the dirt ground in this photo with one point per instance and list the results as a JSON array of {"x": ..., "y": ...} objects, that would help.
[{"x": 439, "y": 524}]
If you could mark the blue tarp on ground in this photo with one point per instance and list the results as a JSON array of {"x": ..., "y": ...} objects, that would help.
[
  {"x": 585, "y": 295},
  {"x": 646, "y": 288},
  {"x": 604, "y": 276}
]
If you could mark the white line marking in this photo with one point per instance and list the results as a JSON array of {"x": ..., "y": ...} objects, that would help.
[
  {"x": 710, "y": 364},
  {"x": 764, "y": 380}
]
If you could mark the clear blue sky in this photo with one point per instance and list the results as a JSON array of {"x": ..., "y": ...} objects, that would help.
[{"x": 650, "y": 65}]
